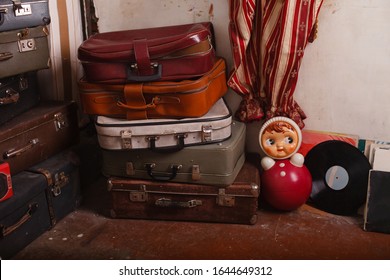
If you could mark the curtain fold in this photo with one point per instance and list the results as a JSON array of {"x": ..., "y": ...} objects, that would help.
[{"x": 268, "y": 39}]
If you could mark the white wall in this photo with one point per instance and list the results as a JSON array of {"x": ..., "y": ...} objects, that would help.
[{"x": 344, "y": 81}]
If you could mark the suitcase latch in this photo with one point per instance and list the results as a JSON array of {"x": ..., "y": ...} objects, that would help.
[
  {"x": 139, "y": 196},
  {"x": 126, "y": 139},
  {"x": 60, "y": 181},
  {"x": 225, "y": 200},
  {"x": 60, "y": 121},
  {"x": 206, "y": 133},
  {"x": 130, "y": 168},
  {"x": 21, "y": 9},
  {"x": 26, "y": 45},
  {"x": 195, "y": 172}
]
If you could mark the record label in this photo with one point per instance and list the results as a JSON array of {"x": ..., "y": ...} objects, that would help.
[
  {"x": 337, "y": 177},
  {"x": 340, "y": 177}
]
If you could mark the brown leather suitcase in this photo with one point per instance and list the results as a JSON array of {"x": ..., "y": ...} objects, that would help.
[
  {"x": 141, "y": 199},
  {"x": 160, "y": 53},
  {"x": 168, "y": 99},
  {"x": 39, "y": 133}
]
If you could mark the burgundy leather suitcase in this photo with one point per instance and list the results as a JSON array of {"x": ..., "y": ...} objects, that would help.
[
  {"x": 18, "y": 94},
  {"x": 161, "y": 53},
  {"x": 142, "y": 199},
  {"x": 24, "y": 216},
  {"x": 38, "y": 134}
]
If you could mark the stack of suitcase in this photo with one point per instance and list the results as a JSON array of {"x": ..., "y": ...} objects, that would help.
[
  {"x": 39, "y": 173},
  {"x": 171, "y": 149}
]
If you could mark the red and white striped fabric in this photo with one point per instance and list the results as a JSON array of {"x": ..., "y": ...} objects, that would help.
[{"x": 268, "y": 39}]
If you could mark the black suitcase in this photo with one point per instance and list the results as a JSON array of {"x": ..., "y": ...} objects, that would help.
[
  {"x": 43, "y": 195},
  {"x": 23, "y": 13},
  {"x": 63, "y": 181},
  {"x": 18, "y": 94},
  {"x": 24, "y": 216}
]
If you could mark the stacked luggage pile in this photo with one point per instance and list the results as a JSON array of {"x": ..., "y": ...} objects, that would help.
[
  {"x": 39, "y": 178},
  {"x": 171, "y": 148}
]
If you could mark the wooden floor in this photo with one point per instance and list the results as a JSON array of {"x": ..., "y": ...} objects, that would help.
[{"x": 307, "y": 233}]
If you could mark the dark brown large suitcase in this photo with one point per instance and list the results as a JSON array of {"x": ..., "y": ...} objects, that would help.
[
  {"x": 39, "y": 133},
  {"x": 141, "y": 199}
]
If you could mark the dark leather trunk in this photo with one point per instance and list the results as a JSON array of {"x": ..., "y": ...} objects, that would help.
[
  {"x": 141, "y": 199},
  {"x": 38, "y": 134}
]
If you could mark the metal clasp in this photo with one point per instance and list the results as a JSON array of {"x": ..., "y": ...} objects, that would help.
[
  {"x": 225, "y": 200},
  {"x": 60, "y": 181},
  {"x": 206, "y": 133},
  {"x": 60, "y": 121},
  {"x": 126, "y": 139}
]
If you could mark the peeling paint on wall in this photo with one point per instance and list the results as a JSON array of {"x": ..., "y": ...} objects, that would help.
[{"x": 133, "y": 14}]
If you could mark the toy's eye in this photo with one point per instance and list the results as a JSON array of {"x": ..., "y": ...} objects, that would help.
[
  {"x": 270, "y": 142},
  {"x": 288, "y": 140}
]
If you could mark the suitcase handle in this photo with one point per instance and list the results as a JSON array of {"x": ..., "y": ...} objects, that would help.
[
  {"x": 167, "y": 202},
  {"x": 171, "y": 149},
  {"x": 13, "y": 153},
  {"x": 4, "y": 230},
  {"x": 12, "y": 96},
  {"x": 144, "y": 107},
  {"x": 5, "y": 56},
  {"x": 160, "y": 176},
  {"x": 132, "y": 76}
]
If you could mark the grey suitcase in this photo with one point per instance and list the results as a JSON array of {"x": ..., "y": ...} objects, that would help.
[
  {"x": 23, "y": 13},
  {"x": 157, "y": 134},
  {"x": 212, "y": 164},
  {"x": 24, "y": 50}
]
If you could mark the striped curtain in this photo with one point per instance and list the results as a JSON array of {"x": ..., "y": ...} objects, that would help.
[{"x": 268, "y": 39}]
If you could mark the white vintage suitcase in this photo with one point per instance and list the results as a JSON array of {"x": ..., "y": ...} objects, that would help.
[{"x": 165, "y": 134}]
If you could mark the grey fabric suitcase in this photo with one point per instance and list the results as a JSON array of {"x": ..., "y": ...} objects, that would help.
[
  {"x": 24, "y": 50},
  {"x": 212, "y": 164},
  {"x": 166, "y": 134},
  {"x": 23, "y": 13}
]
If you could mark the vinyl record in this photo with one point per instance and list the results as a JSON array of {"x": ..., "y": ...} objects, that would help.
[{"x": 339, "y": 177}]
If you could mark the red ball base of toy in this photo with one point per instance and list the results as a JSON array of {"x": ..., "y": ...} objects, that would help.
[{"x": 285, "y": 186}]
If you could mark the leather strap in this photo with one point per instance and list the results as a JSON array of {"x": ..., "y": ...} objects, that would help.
[
  {"x": 142, "y": 57},
  {"x": 133, "y": 94}
]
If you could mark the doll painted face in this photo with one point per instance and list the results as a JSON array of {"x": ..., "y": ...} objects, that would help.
[{"x": 280, "y": 138}]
